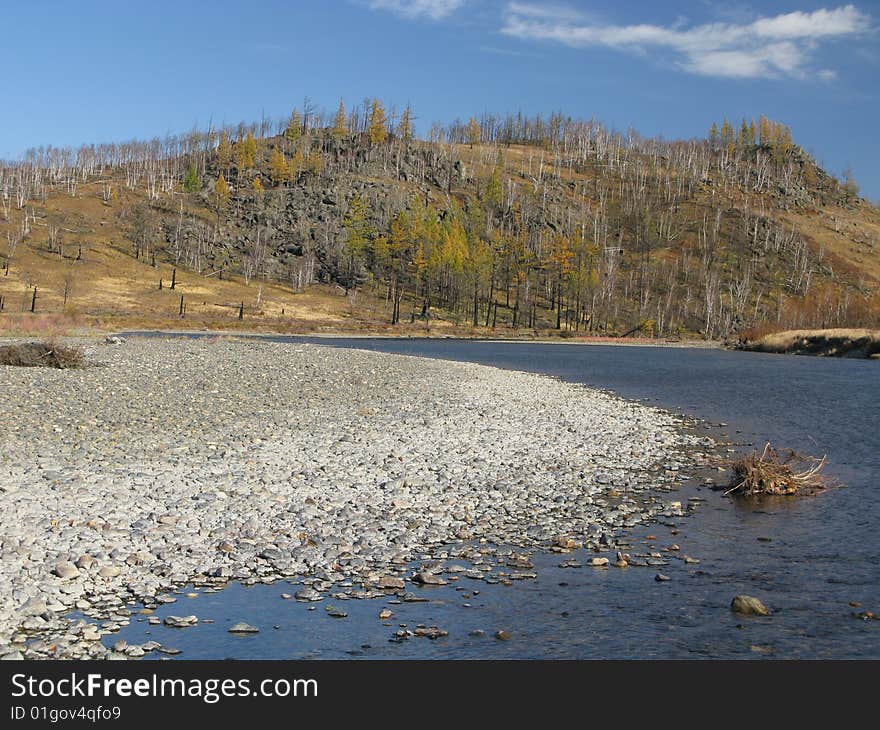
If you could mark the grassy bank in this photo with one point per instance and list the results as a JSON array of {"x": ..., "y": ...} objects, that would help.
[{"x": 829, "y": 343}]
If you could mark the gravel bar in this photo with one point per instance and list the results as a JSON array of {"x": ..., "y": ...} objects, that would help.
[{"x": 175, "y": 461}]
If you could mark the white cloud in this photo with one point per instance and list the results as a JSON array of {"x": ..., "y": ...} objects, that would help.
[
  {"x": 767, "y": 47},
  {"x": 433, "y": 9},
  {"x": 544, "y": 11}
]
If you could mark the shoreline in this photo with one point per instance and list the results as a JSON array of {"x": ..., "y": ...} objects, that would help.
[
  {"x": 159, "y": 469},
  {"x": 89, "y": 332},
  {"x": 611, "y": 341},
  {"x": 848, "y": 343}
]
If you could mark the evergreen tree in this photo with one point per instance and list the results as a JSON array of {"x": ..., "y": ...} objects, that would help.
[
  {"x": 494, "y": 190},
  {"x": 294, "y": 127},
  {"x": 405, "y": 126},
  {"x": 766, "y": 132},
  {"x": 745, "y": 134},
  {"x": 191, "y": 181},
  {"x": 358, "y": 226}
]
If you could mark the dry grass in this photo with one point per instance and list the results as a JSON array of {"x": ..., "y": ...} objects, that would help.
[
  {"x": 106, "y": 287},
  {"x": 784, "y": 339},
  {"x": 832, "y": 342},
  {"x": 848, "y": 237},
  {"x": 41, "y": 354},
  {"x": 772, "y": 473}
]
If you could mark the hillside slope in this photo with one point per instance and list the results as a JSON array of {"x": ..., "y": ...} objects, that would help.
[{"x": 510, "y": 225}]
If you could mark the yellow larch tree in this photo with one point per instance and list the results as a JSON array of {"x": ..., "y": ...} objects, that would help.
[
  {"x": 278, "y": 169},
  {"x": 224, "y": 152},
  {"x": 474, "y": 132},
  {"x": 378, "y": 123},
  {"x": 246, "y": 152},
  {"x": 340, "y": 124}
]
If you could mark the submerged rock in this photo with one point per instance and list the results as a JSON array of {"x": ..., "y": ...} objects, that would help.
[
  {"x": 428, "y": 579},
  {"x": 748, "y": 606},
  {"x": 243, "y": 628}
]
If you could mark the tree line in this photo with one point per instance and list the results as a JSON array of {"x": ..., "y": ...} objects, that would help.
[{"x": 500, "y": 220}]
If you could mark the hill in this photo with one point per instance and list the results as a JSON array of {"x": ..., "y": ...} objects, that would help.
[{"x": 504, "y": 224}]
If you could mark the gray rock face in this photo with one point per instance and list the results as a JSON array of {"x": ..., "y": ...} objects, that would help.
[
  {"x": 261, "y": 461},
  {"x": 290, "y": 216}
]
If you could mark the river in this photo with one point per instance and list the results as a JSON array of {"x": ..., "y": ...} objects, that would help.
[{"x": 806, "y": 558}]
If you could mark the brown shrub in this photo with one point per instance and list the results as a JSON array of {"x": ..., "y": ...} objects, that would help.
[
  {"x": 41, "y": 354},
  {"x": 772, "y": 473}
]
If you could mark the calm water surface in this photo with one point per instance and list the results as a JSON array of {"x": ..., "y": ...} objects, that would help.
[{"x": 805, "y": 558}]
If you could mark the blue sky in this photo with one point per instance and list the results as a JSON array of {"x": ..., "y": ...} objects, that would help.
[{"x": 107, "y": 71}]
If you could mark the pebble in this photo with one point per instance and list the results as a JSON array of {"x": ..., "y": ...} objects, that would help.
[
  {"x": 182, "y": 475},
  {"x": 66, "y": 570},
  {"x": 390, "y": 582}
]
